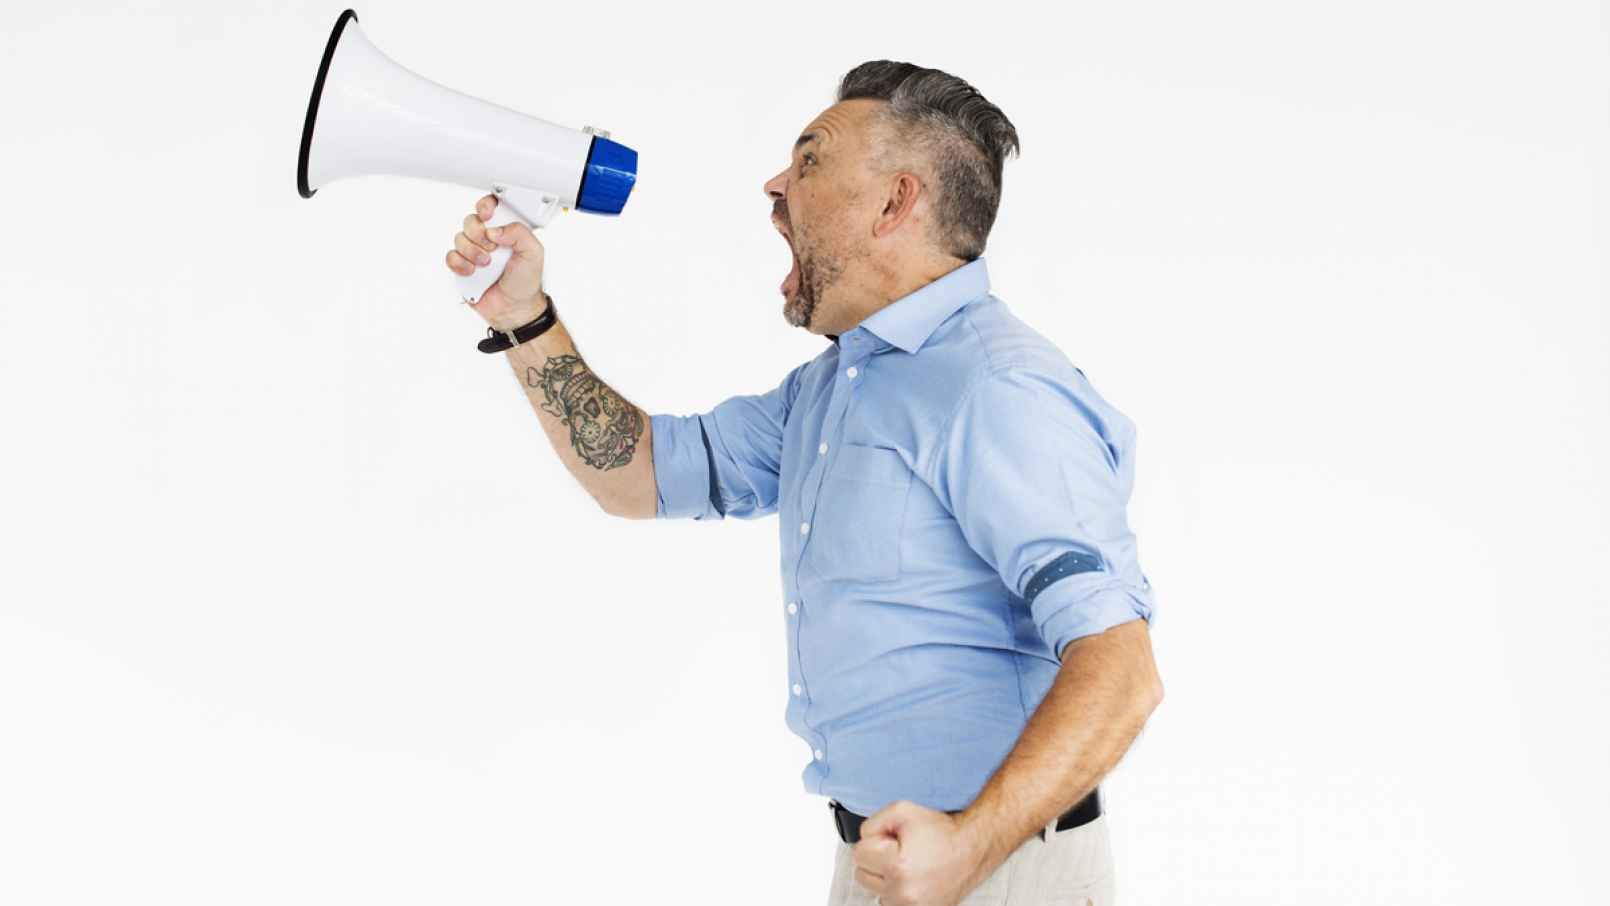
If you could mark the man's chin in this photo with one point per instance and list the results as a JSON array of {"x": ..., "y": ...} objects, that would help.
[{"x": 796, "y": 312}]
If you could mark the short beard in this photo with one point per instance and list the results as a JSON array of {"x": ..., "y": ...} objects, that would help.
[{"x": 813, "y": 281}]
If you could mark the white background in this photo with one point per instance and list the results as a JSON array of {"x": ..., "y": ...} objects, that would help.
[{"x": 298, "y": 605}]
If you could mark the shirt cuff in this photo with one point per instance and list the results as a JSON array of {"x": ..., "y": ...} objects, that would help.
[
  {"x": 681, "y": 468},
  {"x": 1066, "y": 611}
]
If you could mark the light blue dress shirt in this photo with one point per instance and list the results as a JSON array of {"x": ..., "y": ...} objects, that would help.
[{"x": 951, "y": 493}]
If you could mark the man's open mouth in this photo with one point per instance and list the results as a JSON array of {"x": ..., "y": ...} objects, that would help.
[{"x": 790, "y": 284}]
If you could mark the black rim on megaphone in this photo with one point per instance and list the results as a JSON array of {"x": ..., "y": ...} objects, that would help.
[{"x": 313, "y": 102}]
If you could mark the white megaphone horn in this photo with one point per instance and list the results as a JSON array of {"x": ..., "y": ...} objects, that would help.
[{"x": 369, "y": 115}]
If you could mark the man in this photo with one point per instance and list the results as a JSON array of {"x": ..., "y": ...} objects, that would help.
[{"x": 967, "y": 620}]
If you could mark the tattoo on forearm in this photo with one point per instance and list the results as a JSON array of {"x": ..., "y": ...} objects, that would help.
[{"x": 604, "y": 427}]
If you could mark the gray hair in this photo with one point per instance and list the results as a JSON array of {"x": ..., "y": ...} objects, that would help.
[{"x": 965, "y": 137}]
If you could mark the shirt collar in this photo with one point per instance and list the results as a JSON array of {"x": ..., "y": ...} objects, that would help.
[{"x": 910, "y": 320}]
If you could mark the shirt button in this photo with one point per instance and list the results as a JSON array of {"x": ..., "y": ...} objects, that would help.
[
  {"x": 797, "y": 689},
  {"x": 792, "y": 607},
  {"x": 850, "y": 371},
  {"x": 818, "y": 754},
  {"x": 822, "y": 448},
  {"x": 804, "y": 528}
]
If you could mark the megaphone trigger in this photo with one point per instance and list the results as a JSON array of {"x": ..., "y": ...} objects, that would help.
[{"x": 515, "y": 205}]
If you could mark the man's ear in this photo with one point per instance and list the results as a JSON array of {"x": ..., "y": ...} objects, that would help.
[{"x": 899, "y": 206}]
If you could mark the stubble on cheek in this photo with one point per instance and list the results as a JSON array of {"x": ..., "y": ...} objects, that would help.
[
  {"x": 815, "y": 278},
  {"x": 819, "y": 268}
]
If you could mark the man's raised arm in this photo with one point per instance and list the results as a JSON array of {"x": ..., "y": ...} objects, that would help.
[{"x": 602, "y": 438}]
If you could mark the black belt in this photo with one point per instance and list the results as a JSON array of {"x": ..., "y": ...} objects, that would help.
[{"x": 1084, "y": 811}]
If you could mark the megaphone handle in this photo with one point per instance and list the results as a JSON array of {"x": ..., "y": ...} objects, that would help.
[{"x": 471, "y": 288}]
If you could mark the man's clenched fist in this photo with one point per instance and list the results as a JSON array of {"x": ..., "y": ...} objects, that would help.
[{"x": 517, "y": 296}]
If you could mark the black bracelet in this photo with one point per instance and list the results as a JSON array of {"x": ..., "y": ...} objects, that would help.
[{"x": 499, "y": 340}]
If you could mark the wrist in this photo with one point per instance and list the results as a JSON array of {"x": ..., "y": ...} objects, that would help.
[
  {"x": 980, "y": 834},
  {"x": 977, "y": 847},
  {"x": 522, "y": 315},
  {"x": 514, "y": 334}
]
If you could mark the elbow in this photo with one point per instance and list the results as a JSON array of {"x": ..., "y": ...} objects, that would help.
[
  {"x": 625, "y": 508},
  {"x": 609, "y": 503},
  {"x": 1147, "y": 683},
  {"x": 1154, "y": 694},
  {"x": 1148, "y": 694}
]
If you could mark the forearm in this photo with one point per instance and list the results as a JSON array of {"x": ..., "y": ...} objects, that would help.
[
  {"x": 601, "y": 437},
  {"x": 1104, "y": 692}
]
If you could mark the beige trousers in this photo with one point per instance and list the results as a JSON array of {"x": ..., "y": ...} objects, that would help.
[{"x": 1071, "y": 868}]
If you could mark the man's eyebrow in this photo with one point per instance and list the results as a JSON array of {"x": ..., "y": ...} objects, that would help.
[{"x": 807, "y": 137}]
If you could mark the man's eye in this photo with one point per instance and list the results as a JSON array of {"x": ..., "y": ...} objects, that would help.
[{"x": 806, "y": 159}]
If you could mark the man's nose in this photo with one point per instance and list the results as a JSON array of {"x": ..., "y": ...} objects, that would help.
[{"x": 777, "y": 187}]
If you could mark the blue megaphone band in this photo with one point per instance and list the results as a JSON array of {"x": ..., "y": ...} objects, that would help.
[{"x": 607, "y": 177}]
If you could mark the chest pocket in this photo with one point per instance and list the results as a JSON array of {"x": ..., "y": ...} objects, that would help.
[{"x": 860, "y": 515}]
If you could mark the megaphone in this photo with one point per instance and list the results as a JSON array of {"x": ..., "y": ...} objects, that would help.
[{"x": 368, "y": 115}]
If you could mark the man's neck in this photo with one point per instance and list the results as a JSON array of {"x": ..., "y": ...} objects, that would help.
[
  {"x": 916, "y": 276},
  {"x": 894, "y": 284}
]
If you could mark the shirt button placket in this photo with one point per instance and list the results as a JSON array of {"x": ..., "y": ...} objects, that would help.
[
  {"x": 840, "y": 405},
  {"x": 812, "y": 484}
]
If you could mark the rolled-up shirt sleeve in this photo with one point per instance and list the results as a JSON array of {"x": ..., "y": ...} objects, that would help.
[
  {"x": 1038, "y": 474},
  {"x": 724, "y": 462}
]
